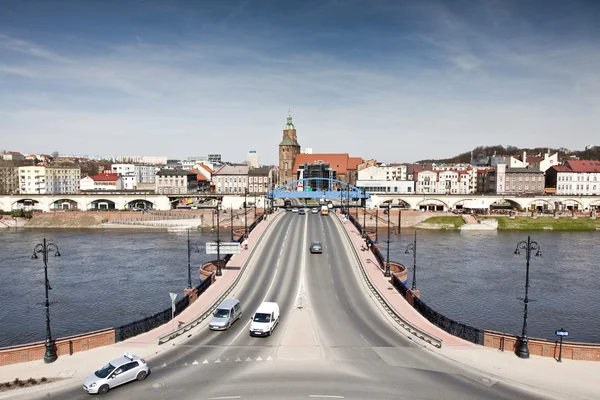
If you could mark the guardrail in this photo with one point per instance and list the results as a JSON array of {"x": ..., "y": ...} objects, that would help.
[
  {"x": 421, "y": 334},
  {"x": 193, "y": 323}
]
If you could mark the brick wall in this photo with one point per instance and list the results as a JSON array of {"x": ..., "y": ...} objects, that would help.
[
  {"x": 64, "y": 346},
  {"x": 542, "y": 347}
]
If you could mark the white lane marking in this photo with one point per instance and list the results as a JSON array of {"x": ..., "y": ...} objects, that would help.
[
  {"x": 324, "y": 396},
  {"x": 263, "y": 300},
  {"x": 361, "y": 335},
  {"x": 301, "y": 293},
  {"x": 337, "y": 297},
  {"x": 225, "y": 397}
]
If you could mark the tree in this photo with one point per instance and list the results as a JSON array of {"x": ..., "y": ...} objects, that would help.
[{"x": 54, "y": 154}]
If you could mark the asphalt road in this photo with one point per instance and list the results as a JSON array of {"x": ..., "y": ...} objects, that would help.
[{"x": 333, "y": 341}]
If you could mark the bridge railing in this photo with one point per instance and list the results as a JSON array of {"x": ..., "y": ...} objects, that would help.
[{"x": 454, "y": 328}]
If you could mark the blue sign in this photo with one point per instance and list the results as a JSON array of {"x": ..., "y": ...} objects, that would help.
[{"x": 561, "y": 333}]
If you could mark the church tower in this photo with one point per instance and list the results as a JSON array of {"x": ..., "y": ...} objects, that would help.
[{"x": 289, "y": 148}]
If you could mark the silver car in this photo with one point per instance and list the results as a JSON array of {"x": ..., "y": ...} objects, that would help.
[
  {"x": 229, "y": 311},
  {"x": 315, "y": 247},
  {"x": 117, "y": 372}
]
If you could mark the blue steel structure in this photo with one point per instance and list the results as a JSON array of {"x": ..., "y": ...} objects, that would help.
[{"x": 290, "y": 190}]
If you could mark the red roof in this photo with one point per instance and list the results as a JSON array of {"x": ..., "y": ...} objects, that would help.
[
  {"x": 201, "y": 177},
  {"x": 583, "y": 165},
  {"x": 562, "y": 168},
  {"x": 338, "y": 162},
  {"x": 210, "y": 171},
  {"x": 534, "y": 159},
  {"x": 105, "y": 177}
]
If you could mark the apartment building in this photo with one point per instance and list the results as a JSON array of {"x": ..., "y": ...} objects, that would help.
[
  {"x": 135, "y": 175},
  {"x": 48, "y": 180},
  {"x": 259, "y": 180},
  {"x": 9, "y": 180},
  {"x": 514, "y": 181},
  {"x": 385, "y": 178},
  {"x": 576, "y": 177},
  {"x": 231, "y": 179},
  {"x": 443, "y": 182},
  {"x": 147, "y": 160},
  {"x": 176, "y": 181}
]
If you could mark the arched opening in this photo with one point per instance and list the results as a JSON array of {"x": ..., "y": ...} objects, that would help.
[
  {"x": 64, "y": 204},
  {"x": 26, "y": 205},
  {"x": 102, "y": 205},
  {"x": 140, "y": 205},
  {"x": 432, "y": 205}
]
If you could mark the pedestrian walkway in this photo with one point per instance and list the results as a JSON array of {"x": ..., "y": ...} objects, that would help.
[
  {"x": 570, "y": 378},
  {"x": 79, "y": 365}
]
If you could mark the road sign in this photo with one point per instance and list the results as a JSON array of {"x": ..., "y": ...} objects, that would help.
[
  {"x": 224, "y": 248},
  {"x": 561, "y": 333}
]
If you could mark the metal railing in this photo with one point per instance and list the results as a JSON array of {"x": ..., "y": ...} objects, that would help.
[
  {"x": 396, "y": 316},
  {"x": 154, "y": 321},
  {"x": 209, "y": 311}
]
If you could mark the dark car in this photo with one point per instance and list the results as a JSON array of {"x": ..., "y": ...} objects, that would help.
[
  {"x": 315, "y": 247},
  {"x": 301, "y": 212}
]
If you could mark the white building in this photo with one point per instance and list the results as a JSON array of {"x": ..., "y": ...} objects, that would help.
[
  {"x": 148, "y": 160},
  {"x": 390, "y": 187},
  {"x": 576, "y": 177},
  {"x": 49, "y": 180},
  {"x": 443, "y": 182},
  {"x": 252, "y": 159},
  {"x": 106, "y": 181},
  {"x": 231, "y": 179},
  {"x": 383, "y": 172},
  {"x": 134, "y": 175}
]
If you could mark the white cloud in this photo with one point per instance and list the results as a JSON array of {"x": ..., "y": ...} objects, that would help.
[{"x": 192, "y": 98}]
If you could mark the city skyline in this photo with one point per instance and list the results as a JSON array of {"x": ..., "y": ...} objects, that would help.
[{"x": 393, "y": 82}]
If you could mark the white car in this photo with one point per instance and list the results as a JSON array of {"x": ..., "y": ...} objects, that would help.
[
  {"x": 295, "y": 209},
  {"x": 314, "y": 211},
  {"x": 265, "y": 319},
  {"x": 117, "y": 372}
]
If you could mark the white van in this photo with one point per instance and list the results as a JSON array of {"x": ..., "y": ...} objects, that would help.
[{"x": 265, "y": 319}]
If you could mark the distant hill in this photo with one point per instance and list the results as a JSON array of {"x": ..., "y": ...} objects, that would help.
[{"x": 592, "y": 153}]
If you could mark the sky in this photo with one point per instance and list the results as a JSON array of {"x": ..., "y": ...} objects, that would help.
[{"x": 395, "y": 81}]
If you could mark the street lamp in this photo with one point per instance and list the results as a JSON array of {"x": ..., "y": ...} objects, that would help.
[
  {"x": 377, "y": 224},
  {"x": 255, "y": 206},
  {"x": 231, "y": 219},
  {"x": 245, "y": 216},
  {"x": 528, "y": 246},
  {"x": 218, "y": 240},
  {"x": 189, "y": 251},
  {"x": 364, "y": 230},
  {"x": 413, "y": 247},
  {"x": 387, "y": 261},
  {"x": 45, "y": 248}
]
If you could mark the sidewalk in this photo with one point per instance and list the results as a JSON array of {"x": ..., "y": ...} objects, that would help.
[
  {"x": 570, "y": 378},
  {"x": 81, "y": 364}
]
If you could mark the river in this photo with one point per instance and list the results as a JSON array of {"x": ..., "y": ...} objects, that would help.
[{"x": 108, "y": 278}]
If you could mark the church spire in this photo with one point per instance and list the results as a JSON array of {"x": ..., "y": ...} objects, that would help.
[{"x": 289, "y": 126}]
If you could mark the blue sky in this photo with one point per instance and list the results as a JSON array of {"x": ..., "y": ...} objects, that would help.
[{"x": 390, "y": 80}]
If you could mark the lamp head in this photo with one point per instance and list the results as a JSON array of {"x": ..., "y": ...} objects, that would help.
[
  {"x": 406, "y": 252},
  {"x": 34, "y": 256},
  {"x": 57, "y": 254},
  {"x": 517, "y": 251},
  {"x": 538, "y": 253}
]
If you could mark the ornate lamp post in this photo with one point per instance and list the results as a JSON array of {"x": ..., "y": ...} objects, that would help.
[
  {"x": 189, "y": 251},
  {"x": 245, "y": 214},
  {"x": 255, "y": 206},
  {"x": 45, "y": 248},
  {"x": 387, "y": 260},
  {"x": 528, "y": 246},
  {"x": 364, "y": 227},
  {"x": 413, "y": 247},
  {"x": 218, "y": 239},
  {"x": 377, "y": 224},
  {"x": 231, "y": 219}
]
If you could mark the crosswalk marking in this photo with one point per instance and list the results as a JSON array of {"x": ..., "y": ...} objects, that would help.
[
  {"x": 238, "y": 360},
  {"x": 248, "y": 359},
  {"x": 164, "y": 365},
  {"x": 259, "y": 359},
  {"x": 269, "y": 358},
  {"x": 218, "y": 360},
  {"x": 205, "y": 362},
  {"x": 195, "y": 362}
]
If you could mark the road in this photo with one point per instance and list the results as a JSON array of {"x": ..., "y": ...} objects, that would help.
[{"x": 333, "y": 341}]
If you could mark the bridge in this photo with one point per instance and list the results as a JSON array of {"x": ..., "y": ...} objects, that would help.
[
  {"x": 301, "y": 189},
  {"x": 431, "y": 202},
  {"x": 335, "y": 337}
]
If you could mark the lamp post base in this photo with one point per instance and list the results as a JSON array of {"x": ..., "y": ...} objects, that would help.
[
  {"x": 50, "y": 355},
  {"x": 522, "y": 348}
]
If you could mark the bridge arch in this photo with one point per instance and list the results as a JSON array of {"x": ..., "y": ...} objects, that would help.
[
  {"x": 26, "y": 204},
  {"x": 140, "y": 203},
  {"x": 432, "y": 204},
  {"x": 101, "y": 204},
  {"x": 595, "y": 205},
  {"x": 64, "y": 204}
]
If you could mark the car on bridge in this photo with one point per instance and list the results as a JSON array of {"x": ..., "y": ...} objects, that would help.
[
  {"x": 316, "y": 247},
  {"x": 117, "y": 372},
  {"x": 265, "y": 319},
  {"x": 295, "y": 209},
  {"x": 315, "y": 211},
  {"x": 302, "y": 212}
]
